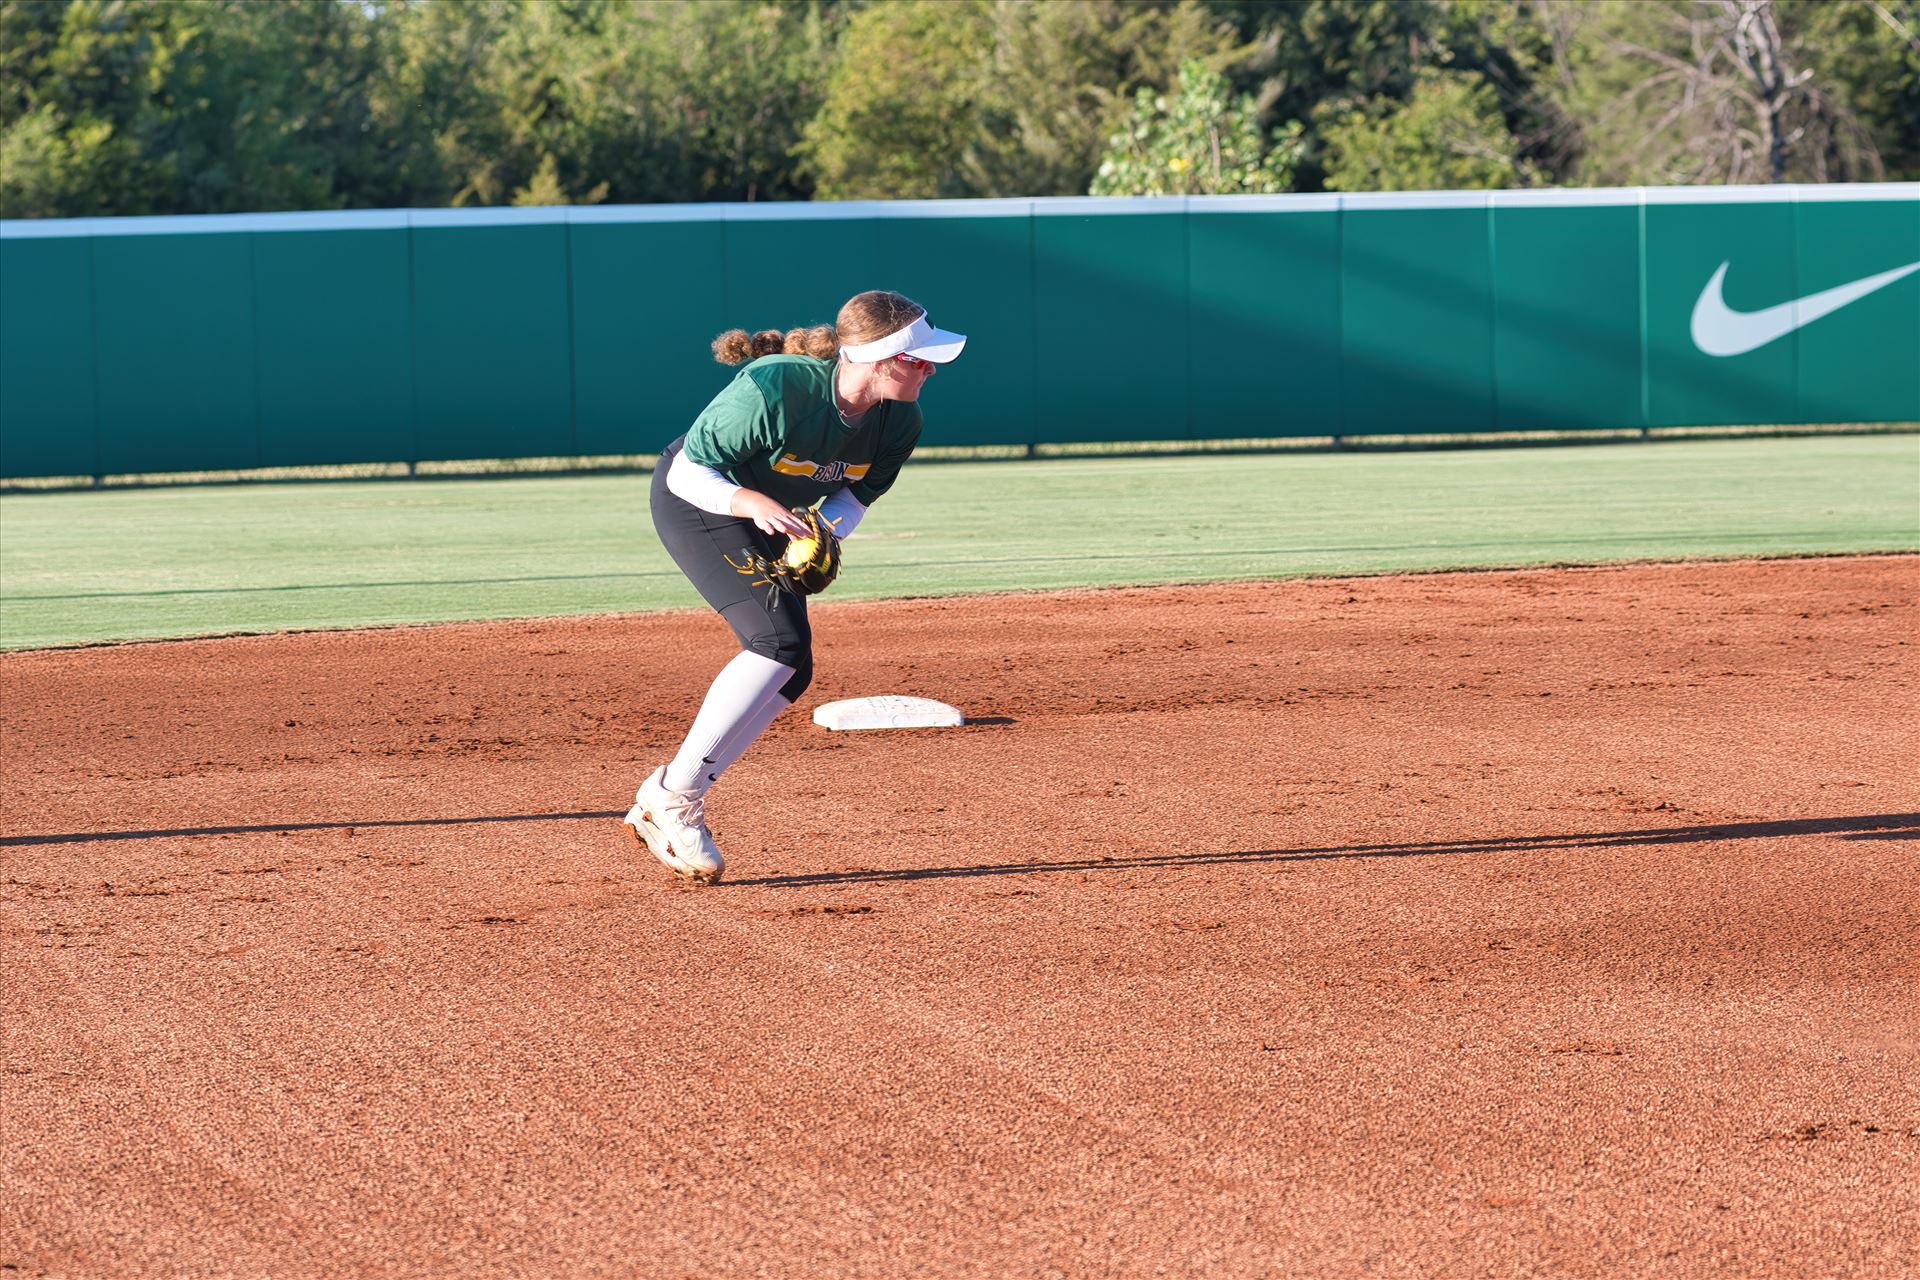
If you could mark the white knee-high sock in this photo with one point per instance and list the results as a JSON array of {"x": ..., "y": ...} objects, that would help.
[
  {"x": 732, "y": 705},
  {"x": 745, "y": 734}
]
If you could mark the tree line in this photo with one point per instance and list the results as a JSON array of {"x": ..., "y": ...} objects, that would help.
[{"x": 209, "y": 106}]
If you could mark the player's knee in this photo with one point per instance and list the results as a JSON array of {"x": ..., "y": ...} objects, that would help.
[
  {"x": 797, "y": 683},
  {"x": 786, "y": 649},
  {"x": 789, "y": 651}
]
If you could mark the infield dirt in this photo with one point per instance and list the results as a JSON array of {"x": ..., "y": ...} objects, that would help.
[{"x": 1552, "y": 923}]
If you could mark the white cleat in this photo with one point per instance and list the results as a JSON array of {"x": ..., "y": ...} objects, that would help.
[{"x": 672, "y": 826}]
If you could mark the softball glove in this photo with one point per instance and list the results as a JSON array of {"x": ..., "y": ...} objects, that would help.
[{"x": 806, "y": 566}]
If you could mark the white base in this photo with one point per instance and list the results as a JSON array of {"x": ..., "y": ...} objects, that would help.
[{"x": 887, "y": 711}]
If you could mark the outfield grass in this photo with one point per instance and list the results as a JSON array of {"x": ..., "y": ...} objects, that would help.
[{"x": 78, "y": 567}]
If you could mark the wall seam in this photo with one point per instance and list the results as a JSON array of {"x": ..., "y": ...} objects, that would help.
[
  {"x": 1493, "y": 317},
  {"x": 573, "y": 362},
  {"x": 253, "y": 327},
  {"x": 1033, "y": 322},
  {"x": 93, "y": 333},
  {"x": 412, "y": 450},
  {"x": 726, "y": 313},
  {"x": 1186, "y": 267},
  {"x": 1646, "y": 353},
  {"x": 726, "y": 278},
  {"x": 1340, "y": 316},
  {"x": 1793, "y": 264}
]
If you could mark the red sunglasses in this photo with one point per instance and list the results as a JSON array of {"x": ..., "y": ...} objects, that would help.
[{"x": 913, "y": 362}]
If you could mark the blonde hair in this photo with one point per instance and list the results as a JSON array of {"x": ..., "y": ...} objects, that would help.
[{"x": 866, "y": 317}]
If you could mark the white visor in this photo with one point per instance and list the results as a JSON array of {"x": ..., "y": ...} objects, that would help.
[{"x": 919, "y": 339}]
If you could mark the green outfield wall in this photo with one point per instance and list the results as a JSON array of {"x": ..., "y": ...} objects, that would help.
[{"x": 231, "y": 342}]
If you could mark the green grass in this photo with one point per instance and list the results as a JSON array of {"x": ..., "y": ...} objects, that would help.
[{"x": 78, "y": 567}]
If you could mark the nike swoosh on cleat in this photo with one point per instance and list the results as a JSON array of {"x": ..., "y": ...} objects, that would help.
[{"x": 1719, "y": 330}]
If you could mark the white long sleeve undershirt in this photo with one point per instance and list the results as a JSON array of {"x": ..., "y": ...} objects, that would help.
[
  {"x": 843, "y": 511},
  {"x": 708, "y": 490},
  {"x": 700, "y": 486}
]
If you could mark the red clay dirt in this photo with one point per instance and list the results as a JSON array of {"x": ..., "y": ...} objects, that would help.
[{"x": 1555, "y": 923}]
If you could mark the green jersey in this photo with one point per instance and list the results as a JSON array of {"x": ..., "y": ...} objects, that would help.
[{"x": 776, "y": 429}]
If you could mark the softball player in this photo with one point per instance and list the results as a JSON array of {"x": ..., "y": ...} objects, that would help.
[{"x": 825, "y": 415}]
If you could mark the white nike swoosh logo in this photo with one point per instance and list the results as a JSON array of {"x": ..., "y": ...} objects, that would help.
[{"x": 1719, "y": 330}]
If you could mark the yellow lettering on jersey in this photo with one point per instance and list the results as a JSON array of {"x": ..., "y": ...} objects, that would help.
[{"x": 830, "y": 473}]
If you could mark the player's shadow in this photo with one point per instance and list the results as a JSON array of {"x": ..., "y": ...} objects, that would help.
[
  {"x": 269, "y": 828},
  {"x": 1885, "y": 826}
]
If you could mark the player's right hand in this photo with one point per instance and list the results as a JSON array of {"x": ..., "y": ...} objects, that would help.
[{"x": 770, "y": 516}]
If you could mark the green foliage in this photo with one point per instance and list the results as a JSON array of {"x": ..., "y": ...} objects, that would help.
[
  {"x": 118, "y": 107},
  {"x": 1200, "y": 141},
  {"x": 992, "y": 97},
  {"x": 1061, "y": 81},
  {"x": 754, "y": 75},
  {"x": 1325, "y": 49},
  {"x": 1867, "y": 57},
  {"x": 1665, "y": 91},
  {"x": 45, "y": 162},
  {"x": 69, "y": 76},
  {"x": 1324, "y": 60},
  {"x": 544, "y": 187},
  {"x": 124, "y": 106},
  {"x": 1448, "y": 134},
  {"x": 901, "y": 104},
  {"x": 1509, "y": 44},
  {"x": 202, "y": 106},
  {"x": 476, "y": 98}
]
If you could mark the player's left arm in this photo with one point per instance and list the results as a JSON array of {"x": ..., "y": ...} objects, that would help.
[{"x": 842, "y": 511}]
